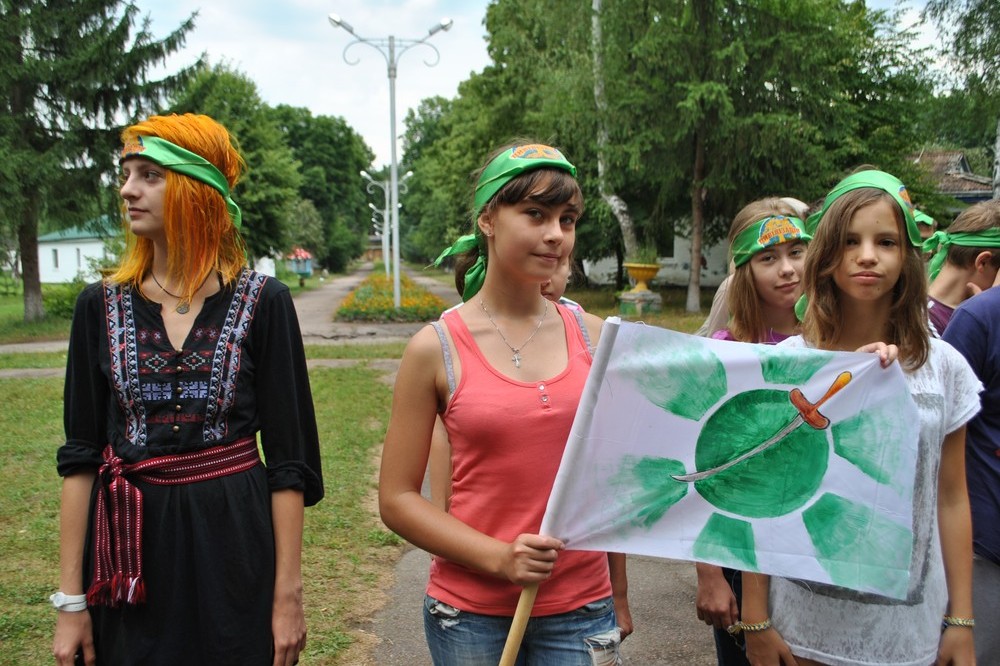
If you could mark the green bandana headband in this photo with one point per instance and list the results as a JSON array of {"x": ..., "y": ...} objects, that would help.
[
  {"x": 923, "y": 218},
  {"x": 879, "y": 180},
  {"x": 501, "y": 170},
  {"x": 768, "y": 232},
  {"x": 184, "y": 162},
  {"x": 476, "y": 274},
  {"x": 942, "y": 240},
  {"x": 512, "y": 163}
]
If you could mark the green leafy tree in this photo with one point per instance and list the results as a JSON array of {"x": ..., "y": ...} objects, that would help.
[
  {"x": 528, "y": 92},
  {"x": 424, "y": 127},
  {"x": 331, "y": 155},
  {"x": 962, "y": 117},
  {"x": 271, "y": 186},
  {"x": 437, "y": 204},
  {"x": 716, "y": 103},
  {"x": 72, "y": 71},
  {"x": 306, "y": 226},
  {"x": 974, "y": 30},
  {"x": 709, "y": 104}
]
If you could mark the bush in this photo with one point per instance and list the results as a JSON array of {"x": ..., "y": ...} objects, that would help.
[
  {"x": 372, "y": 300},
  {"x": 60, "y": 299},
  {"x": 9, "y": 284}
]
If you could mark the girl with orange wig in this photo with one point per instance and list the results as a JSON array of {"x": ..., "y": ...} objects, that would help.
[{"x": 177, "y": 543}]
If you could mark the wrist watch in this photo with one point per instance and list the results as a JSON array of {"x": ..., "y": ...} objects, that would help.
[{"x": 72, "y": 603}]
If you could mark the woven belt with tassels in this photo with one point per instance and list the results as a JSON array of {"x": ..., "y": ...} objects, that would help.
[{"x": 118, "y": 514}]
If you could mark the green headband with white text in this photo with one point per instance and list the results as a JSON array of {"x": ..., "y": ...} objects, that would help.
[
  {"x": 185, "y": 162},
  {"x": 766, "y": 233}
]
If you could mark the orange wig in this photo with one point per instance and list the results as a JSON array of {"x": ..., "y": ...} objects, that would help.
[{"x": 201, "y": 238}]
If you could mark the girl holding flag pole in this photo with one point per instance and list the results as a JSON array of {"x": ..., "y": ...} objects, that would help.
[
  {"x": 505, "y": 371},
  {"x": 864, "y": 279},
  {"x": 767, "y": 243}
]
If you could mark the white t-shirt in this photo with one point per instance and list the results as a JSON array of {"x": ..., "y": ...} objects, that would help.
[{"x": 842, "y": 627}]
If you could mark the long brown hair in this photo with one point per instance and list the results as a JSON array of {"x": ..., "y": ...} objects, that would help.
[
  {"x": 747, "y": 317},
  {"x": 200, "y": 235},
  {"x": 907, "y": 322}
]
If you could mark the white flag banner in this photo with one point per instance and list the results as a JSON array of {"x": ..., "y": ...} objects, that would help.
[{"x": 788, "y": 461}]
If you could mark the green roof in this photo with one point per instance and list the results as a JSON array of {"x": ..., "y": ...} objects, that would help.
[{"x": 99, "y": 228}]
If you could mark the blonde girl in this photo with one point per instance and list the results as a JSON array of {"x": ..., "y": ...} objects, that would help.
[{"x": 767, "y": 244}]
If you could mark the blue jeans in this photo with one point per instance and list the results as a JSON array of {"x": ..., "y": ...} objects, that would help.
[{"x": 587, "y": 636}]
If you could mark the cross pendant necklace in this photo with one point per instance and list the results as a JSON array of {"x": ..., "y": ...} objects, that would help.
[{"x": 516, "y": 358}]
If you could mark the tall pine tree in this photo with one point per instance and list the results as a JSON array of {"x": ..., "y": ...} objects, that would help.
[{"x": 73, "y": 71}]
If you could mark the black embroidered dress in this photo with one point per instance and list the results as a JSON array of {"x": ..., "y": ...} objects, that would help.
[{"x": 208, "y": 547}]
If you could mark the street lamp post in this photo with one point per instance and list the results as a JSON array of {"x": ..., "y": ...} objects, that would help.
[
  {"x": 384, "y": 185},
  {"x": 388, "y": 48},
  {"x": 380, "y": 218}
]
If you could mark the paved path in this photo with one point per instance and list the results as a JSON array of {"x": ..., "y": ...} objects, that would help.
[
  {"x": 316, "y": 308},
  {"x": 661, "y": 592}
]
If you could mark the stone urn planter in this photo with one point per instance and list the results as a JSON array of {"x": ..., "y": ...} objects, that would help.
[{"x": 641, "y": 273}]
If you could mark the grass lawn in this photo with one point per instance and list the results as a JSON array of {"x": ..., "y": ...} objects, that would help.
[
  {"x": 13, "y": 329},
  {"x": 604, "y": 303},
  {"x": 346, "y": 547}
]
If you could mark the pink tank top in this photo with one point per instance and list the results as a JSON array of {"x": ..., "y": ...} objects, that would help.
[{"x": 507, "y": 439}]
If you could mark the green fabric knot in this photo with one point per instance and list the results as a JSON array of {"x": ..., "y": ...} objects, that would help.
[{"x": 940, "y": 241}]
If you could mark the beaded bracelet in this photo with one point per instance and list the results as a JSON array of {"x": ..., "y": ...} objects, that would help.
[
  {"x": 750, "y": 628},
  {"x": 950, "y": 621}
]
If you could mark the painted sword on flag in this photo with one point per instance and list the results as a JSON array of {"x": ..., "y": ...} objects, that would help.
[{"x": 808, "y": 413}]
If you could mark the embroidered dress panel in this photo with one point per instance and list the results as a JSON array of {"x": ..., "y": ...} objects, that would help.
[
  {"x": 228, "y": 354},
  {"x": 124, "y": 358},
  {"x": 221, "y": 364}
]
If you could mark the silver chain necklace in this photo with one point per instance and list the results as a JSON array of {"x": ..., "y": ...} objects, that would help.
[{"x": 516, "y": 358}]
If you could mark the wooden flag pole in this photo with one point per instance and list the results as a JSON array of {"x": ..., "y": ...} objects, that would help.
[{"x": 521, "y": 616}]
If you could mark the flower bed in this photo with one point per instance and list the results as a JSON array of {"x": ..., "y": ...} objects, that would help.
[{"x": 372, "y": 300}]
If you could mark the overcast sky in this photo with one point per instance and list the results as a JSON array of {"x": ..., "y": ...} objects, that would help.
[{"x": 295, "y": 56}]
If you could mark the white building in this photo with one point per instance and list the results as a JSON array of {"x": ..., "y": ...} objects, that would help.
[
  {"x": 64, "y": 255},
  {"x": 673, "y": 270}
]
